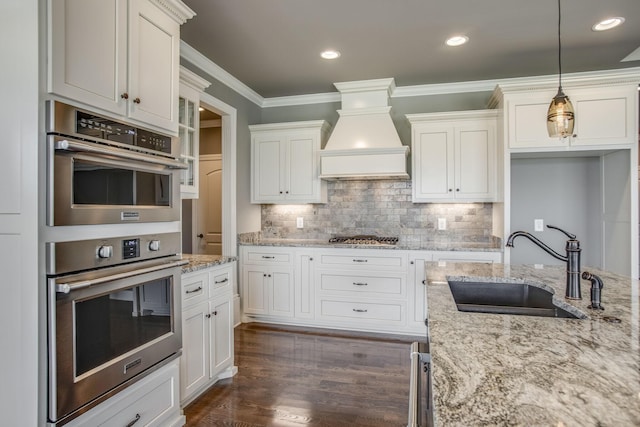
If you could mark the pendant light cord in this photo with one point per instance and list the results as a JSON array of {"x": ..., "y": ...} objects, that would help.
[{"x": 559, "y": 48}]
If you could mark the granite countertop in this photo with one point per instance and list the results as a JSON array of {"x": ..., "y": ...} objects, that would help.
[
  {"x": 200, "y": 262},
  {"x": 430, "y": 246},
  {"x": 495, "y": 369}
]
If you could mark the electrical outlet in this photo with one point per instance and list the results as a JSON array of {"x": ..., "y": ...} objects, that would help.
[
  {"x": 538, "y": 225},
  {"x": 299, "y": 222},
  {"x": 442, "y": 223}
]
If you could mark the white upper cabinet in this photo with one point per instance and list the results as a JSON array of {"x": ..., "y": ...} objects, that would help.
[
  {"x": 285, "y": 162},
  {"x": 454, "y": 156},
  {"x": 604, "y": 116},
  {"x": 119, "y": 56}
]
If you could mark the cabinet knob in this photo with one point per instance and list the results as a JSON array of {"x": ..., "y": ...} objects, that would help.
[
  {"x": 269, "y": 275},
  {"x": 124, "y": 95},
  {"x": 457, "y": 189},
  {"x": 450, "y": 190},
  {"x": 264, "y": 275},
  {"x": 310, "y": 259},
  {"x": 215, "y": 313},
  {"x": 136, "y": 101},
  {"x": 208, "y": 316},
  {"x": 286, "y": 192}
]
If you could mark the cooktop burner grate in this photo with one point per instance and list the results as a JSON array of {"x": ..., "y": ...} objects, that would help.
[{"x": 364, "y": 240}]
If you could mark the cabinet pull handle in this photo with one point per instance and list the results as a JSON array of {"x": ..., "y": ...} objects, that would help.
[
  {"x": 135, "y": 420},
  {"x": 136, "y": 101},
  {"x": 124, "y": 95},
  {"x": 198, "y": 289},
  {"x": 359, "y": 260},
  {"x": 360, "y": 284},
  {"x": 267, "y": 257},
  {"x": 222, "y": 281},
  {"x": 360, "y": 310}
]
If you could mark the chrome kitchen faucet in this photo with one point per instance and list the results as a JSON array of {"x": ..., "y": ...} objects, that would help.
[{"x": 572, "y": 258}]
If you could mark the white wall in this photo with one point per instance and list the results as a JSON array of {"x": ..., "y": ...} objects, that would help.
[
  {"x": 564, "y": 192},
  {"x": 19, "y": 395}
]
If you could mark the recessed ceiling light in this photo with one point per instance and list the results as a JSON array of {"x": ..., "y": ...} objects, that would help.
[
  {"x": 457, "y": 40},
  {"x": 608, "y": 24},
  {"x": 330, "y": 54}
]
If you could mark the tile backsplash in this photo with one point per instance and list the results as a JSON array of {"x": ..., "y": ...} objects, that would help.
[{"x": 383, "y": 208}]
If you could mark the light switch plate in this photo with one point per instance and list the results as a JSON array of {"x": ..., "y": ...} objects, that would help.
[
  {"x": 538, "y": 225},
  {"x": 442, "y": 223},
  {"x": 299, "y": 222}
]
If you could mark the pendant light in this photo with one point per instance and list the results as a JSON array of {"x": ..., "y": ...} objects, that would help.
[{"x": 560, "y": 117}]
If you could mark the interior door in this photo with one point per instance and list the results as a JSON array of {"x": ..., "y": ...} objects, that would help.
[{"x": 208, "y": 230}]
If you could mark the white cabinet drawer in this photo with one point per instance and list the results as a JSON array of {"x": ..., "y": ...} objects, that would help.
[
  {"x": 372, "y": 285},
  {"x": 364, "y": 260},
  {"x": 267, "y": 257},
  {"x": 152, "y": 401},
  {"x": 195, "y": 288},
  {"x": 220, "y": 281},
  {"x": 149, "y": 409},
  {"x": 388, "y": 312}
]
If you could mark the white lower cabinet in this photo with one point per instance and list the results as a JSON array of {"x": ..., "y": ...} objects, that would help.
[
  {"x": 373, "y": 290},
  {"x": 207, "y": 329},
  {"x": 267, "y": 282},
  {"x": 152, "y": 401}
]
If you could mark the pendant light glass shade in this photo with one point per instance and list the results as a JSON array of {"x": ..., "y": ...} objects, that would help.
[{"x": 560, "y": 116}]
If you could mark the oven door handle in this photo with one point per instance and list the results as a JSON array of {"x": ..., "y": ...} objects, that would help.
[
  {"x": 70, "y": 145},
  {"x": 65, "y": 288}
]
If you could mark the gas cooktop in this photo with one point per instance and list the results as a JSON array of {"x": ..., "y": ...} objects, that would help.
[{"x": 364, "y": 240}]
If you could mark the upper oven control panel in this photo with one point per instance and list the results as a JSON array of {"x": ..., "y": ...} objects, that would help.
[
  {"x": 64, "y": 119},
  {"x": 67, "y": 257}
]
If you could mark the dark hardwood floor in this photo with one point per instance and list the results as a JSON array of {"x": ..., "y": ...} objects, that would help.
[{"x": 308, "y": 377}]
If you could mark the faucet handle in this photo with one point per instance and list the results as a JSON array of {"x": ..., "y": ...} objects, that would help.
[{"x": 569, "y": 235}]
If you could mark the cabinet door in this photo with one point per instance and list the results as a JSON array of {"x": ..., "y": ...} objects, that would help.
[
  {"x": 527, "y": 122},
  {"x": 604, "y": 116},
  {"x": 154, "y": 43},
  {"x": 474, "y": 162},
  {"x": 302, "y": 180},
  {"x": 255, "y": 294},
  {"x": 195, "y": 349},
  {"x": 433, "y": 167},
  {"x": 88, "y": 56},
  {"x": 188, "y": 130},
  {"x": 281, "y": 295},
  {"x": 221, "y": 335},
  {"x": 268, "y": 168}
]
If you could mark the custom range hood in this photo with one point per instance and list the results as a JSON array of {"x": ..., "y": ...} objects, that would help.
[{"x": 364, "y": 143}]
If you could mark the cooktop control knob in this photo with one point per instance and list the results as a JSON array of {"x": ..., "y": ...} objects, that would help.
[
  {"x": 154, "y": 245},
  {"x": 105, "y": 251}
]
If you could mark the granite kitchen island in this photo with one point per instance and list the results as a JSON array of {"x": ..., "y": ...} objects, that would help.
[{"x": 497, "y": 369}]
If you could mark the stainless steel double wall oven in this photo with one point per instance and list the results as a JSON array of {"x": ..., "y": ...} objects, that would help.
[{"x": 113, "y": 303}]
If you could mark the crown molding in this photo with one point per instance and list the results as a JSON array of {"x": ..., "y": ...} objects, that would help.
[
  {"x": 192, "y": 79},
  {"x": 194, "y": 57},
  {"x": 179, "y": 11},
  {"x": 317, "y": 98}
]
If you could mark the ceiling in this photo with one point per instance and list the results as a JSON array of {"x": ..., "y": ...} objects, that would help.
[{"x": 273, "y": 46}]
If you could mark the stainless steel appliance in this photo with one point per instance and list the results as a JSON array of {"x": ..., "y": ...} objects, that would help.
[
  {"x": 114, "y": 315},
  {"x": 101, "y": 171},
  {"x": 421, "y": 411},
  {"x": 364, "y": 240}
]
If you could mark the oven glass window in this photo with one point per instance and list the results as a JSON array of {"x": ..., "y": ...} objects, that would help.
[
  {"x": 110, "y": 325},
  {"x": 95, "y": 184}
]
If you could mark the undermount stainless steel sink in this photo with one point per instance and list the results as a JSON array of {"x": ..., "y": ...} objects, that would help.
[{"x": 506, "y": 298}]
